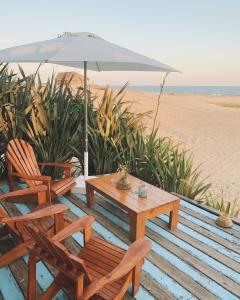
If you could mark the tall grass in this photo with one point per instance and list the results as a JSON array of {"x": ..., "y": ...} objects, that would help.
[{"x": 51, "y": 118}]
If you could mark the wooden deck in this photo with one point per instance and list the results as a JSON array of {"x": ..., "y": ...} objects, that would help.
[{"x": 197, "y": 261}]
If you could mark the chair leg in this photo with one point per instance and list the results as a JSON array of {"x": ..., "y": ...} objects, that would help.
[
  {"x": 51, "y": 291},
  {"x": 79, "y": 287},
  {"x": 136, "y": 279},
  {"x": 32, "y": 281},
  {"x": 87, "y": 234},
  {"x": 13, "y": 254}
]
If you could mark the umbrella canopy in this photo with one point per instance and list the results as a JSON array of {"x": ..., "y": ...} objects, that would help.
[
  {"x": 83, "y": 50},
  {"x": 72, "y": 49}
]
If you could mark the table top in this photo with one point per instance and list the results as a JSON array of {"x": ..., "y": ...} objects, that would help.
[{"x": 129, "y": 199}]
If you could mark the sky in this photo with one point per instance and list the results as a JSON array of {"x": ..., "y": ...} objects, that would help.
[{"x": 201, "y": 38}]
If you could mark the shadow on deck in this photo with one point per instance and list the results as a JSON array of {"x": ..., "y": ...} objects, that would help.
[{"x": 197, "y": 261}]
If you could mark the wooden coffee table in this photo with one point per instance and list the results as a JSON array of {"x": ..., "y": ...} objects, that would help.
[{"x": 139, "y": 209}]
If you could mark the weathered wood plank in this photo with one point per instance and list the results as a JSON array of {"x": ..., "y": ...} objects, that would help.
[
  {"x": 209, "y": 234},
  {"x": 204, "y": 207},
  {"x": 73, "y": 246},
  {"x": 202, "y": 247},
  {"x": 191, "y": 260},
  {"x": 187, "y": 282},
  {"x": 153, "y": 287},
  {"x": 148, "y": 282},
  {"x": 20, "y": 266},
  {"x": 19, "y": 270},
  {"x": 123, "y": 236},
  {"x": 209, "y": 221}
]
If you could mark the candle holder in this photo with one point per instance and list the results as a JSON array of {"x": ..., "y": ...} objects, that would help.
[
  {"x": 142, "y": 190},
  {"x": 123, "y": 183}
]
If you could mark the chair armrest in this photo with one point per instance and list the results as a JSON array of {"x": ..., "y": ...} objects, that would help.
[
  {"x": 57, "y": 164},
  {"x": 41, "y": 213},
  {"x": 76, "y": 226},
  {"x": 33, "y": 177},
  {"x": 67, "y": 167},
  {"x": 132, "y": 258},
  {"x": 29, "y": 191}
]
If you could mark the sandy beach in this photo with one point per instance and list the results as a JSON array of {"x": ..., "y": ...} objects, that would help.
[{"x": 208, "y": 126}]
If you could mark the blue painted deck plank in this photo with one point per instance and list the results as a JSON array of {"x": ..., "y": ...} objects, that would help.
[
  {"x": 213, "y": 229},
  {"x": 8, "y": 285},
  {"x": 214, "y": 245},
  {"x": 164, "y": 280},
  {"x": 169, "y": 236},
  {"x": 211, "y": 262},
  {"x": 108, "y": 235},
  {"x": 204, "y": 212},
  {"x": 173, "y": 259},
  {"x": 142, "y": 293},
  {"x": 44, "y": 277}
]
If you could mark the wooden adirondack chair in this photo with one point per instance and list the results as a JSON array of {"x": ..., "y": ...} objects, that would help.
[
  {"x": 49, "y": 218},
  {"x": 23, "y": 164},
  {"x": 101, "y": 270}
]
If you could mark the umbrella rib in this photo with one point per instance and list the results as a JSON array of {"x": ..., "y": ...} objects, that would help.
[{"x": 98, "y": 66}]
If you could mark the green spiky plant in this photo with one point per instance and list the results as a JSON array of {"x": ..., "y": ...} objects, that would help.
[
  {"x": 51, "y": 118},
  {"x": 117, "y": 136},
  {"x": 218, "y": 202},
  {"x": 47, "y": 116}
]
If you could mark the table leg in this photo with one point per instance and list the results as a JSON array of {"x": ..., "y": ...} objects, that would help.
[
  {"x": 90, "y": 195},
  {"x": 173, "y": 220},
  {"x": 137, "y": 227}
]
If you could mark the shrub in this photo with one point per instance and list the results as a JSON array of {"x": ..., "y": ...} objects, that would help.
[
  {"x": 117, "y": 136},
  {"x": 51, "y": 118},
  {"x": 218, "y": 202}
]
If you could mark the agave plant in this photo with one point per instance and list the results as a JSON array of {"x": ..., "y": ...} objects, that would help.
[
  {"x": 117, "y": 136},
  {"x": 49, "y": 117},
  {"x": 52, "y": 119},
  {"x": 169, "y": 167},
  {"x": 112, "y": 128},
  {"x": 231, "y": 208}
]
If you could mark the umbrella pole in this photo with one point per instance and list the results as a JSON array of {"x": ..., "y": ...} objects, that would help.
[{"x": 86, "y": 123}]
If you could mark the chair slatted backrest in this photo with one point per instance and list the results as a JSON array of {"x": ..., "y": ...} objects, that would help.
[
  {"x": 56, "y": 253},
  {"x": 21, "y": 155}
]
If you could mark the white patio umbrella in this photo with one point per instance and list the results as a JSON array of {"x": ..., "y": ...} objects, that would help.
[{"x": 83, "y": 50}]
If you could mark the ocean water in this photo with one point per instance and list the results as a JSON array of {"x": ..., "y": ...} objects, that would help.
[{"x": 205, "y": 90}]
